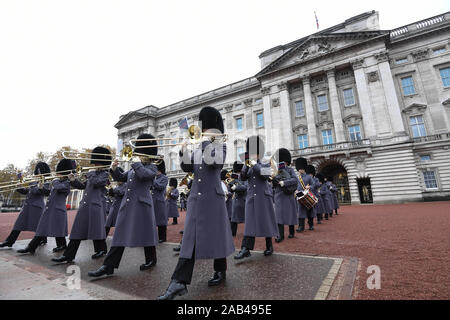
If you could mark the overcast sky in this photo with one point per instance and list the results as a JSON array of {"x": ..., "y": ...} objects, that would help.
[{"x": 69, "y": 69}]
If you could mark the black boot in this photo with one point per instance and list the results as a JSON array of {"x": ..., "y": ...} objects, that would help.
[
  {"x": 269, "y": 247},
  {"x": 98, "y": 254},
  {"x": 6, "y": 244},
  {"x": 336, "y": 212},
  {"x": 291, "y": 231},
  {"x": 301, "y": 225},
  {"x": 28, "y": 249},
  {"x": 147, "y": 265},
  {"x": 101, "y": 271},
  {"x": 311, "y": 223},
  {"x": 175, "y": 288},
  {"x": 43, "y": 242},
  {"x": 175, "y": 220},
  {"x": 218, "y": 278},
  {"x": 242, "y": 254},
  {"x": 326, "y": 216},
  {"x": 58, "y": 249},
  {"x": 62, "y": 259},
  {"x": 281, "y": 232}
]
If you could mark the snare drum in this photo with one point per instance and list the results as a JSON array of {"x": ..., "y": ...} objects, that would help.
[{"x": 307, "y": 199}]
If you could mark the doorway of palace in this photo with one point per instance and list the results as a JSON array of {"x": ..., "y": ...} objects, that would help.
[
  {"x": 365, "y": 190},
  {"x": 340, "y": 179}
]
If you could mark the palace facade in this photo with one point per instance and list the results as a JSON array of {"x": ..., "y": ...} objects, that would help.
[{"x": 370, "y": 107}]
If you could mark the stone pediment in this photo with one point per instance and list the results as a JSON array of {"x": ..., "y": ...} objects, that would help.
[
  {"x": 130, "y": 117},
  {"x": 318, "y": 46},
  {"x": 414, "y": 108}
]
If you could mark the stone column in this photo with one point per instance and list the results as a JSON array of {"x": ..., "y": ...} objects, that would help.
[
  {"x": 364, "y": 99},
  {"x": 285, "y": 118},
  {"x": 310, "y": 115},
  {"x": 390, "y": 94},
  {"x": 335, "y": 107},
  {"x": 267, "y": 120}
]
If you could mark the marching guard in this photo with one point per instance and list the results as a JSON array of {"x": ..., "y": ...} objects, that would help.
[
  {"x": 326, "y": 195},
  {"x": 334, "y": 198},
  {"x": 305, "y": 182},
  {"x": 53, "y": 222},
  {"x": 135, "y": 225},
  {"x": 207, "y": 233},
  {"x": 285, "y": 184},
  {"x": 260, "y": 219},
  {"x": 172, "y": 195},
  {"x": 239, "y": 189},
  {"x": 33, "y": 207},
  {"x": 159, "y": 203},
  {"x": 89, "y": 223},
  {"x": 117, "y": 194}
]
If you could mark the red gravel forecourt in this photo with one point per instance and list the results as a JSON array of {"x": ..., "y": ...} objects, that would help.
[{"x": 409, "y": 243}]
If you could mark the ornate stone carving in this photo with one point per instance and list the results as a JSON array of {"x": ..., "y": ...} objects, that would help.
[
  {"x": 357, "y": 63},
  {"x": 381, "y": 56},
  {"x": 276, "y": 102},
  {"x": 421, "y": 54},
  {"x": 195, "y": 117},
  {"x": 248, "y": 102},
  {"x": 352, "y": 119},
  {"x": 265, "y": 90},
  {"x": 228, "y": 107},
  {"x": 283, "y": 86},
  {"x": 167, "y": 125},
  {"x": 373, "y": 76},
  {"x": 314, "y": 49}
]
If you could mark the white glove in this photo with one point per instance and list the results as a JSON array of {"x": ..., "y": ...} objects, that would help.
[
  {"x": 71, "y": 177},
  {"x": 135, "y": 159},
  {"x": 281, "y": 183},
  {"x": 91, "y": 170},
  {"x": 233, "y": 188}
]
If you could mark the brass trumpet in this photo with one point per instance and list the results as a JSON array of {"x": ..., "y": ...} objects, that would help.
[
  {"x": 127, "y": 154},
  {"x": 194, "y": 136},
  {"x": 187, "y": 178}
]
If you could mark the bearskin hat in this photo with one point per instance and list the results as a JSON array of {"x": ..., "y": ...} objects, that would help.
[
  {"x": 149, "y": 151},
  {"x": 98, "y": 158},
  {"x": 310, "y": 170},
  {"x": 320, "y": 177},
  {"x": 301, "y": 163},
  {"x": 41, "y": 168},
  {"x": 65, "y": 165},
  {"x": 211, "y": 118},
  {"x": 283, "y": 155},
  {"x": 237, "y": 166},
  {"x": 223, "y": 174},
  {"x": 173, "y": 182},
  {"x": 255, "y": 145},
  {"x": 162, "y": 167}
]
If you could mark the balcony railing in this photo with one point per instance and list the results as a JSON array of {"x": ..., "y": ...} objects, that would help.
[
  {"x": 405, "y": 30},
  {"x": 342, "y": 146},
  {"x": 433, "y": 137}
]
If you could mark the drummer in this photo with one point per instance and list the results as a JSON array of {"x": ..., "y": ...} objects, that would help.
[{"x": 305, "y": 183}]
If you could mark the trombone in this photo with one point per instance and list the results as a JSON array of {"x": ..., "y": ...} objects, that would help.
[
  {"x": 194, "y": 136},
  {"x": 50, "y": 176},
  {"x": 127, "y": 154}
]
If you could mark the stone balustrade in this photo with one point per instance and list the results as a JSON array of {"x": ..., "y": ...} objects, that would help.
[{"x": 405, "y": 30}]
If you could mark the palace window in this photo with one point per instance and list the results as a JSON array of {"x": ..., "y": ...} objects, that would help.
[
  {"x": 302, "y": 141},
  {"x": 439, "y": 50},
  {"x": 239, "y": 124},
  {"x": 327, "y": 137},
  {"x": 401, "y": 60},
  {"x": 355, "y": 133},
  {"x": 259, "y": 120},
  {"x": 429, "y": 177},
  {"x": 239, "y": 151},
  {"x": 349, "y": 97},
  {"x": 408, "y": 86},
  {"x": 299, "y": 110},
  {"x": 425, "y": 157},
  {"x": 445, "y": 76},
  {"x": 417, "y": 126},
  {"x": 322, "y": 102},
  {"x": 173, "y": 165}
]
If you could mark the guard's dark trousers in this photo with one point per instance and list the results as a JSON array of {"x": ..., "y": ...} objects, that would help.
[
  {"x": 185, "y": 267},
  {"x": 115, "y": 255},
  {"x": 74, "y": 244}
]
